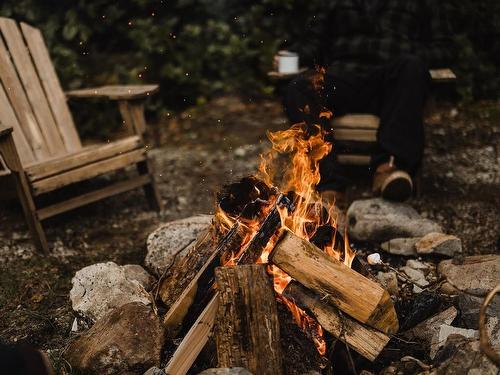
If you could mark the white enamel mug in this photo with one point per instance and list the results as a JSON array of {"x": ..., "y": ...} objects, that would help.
[{"x": 288, "y": 62}]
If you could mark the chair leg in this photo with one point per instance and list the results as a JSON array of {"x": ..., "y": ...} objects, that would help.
[
  {"x": 151, "y": 190},
  {"x": 29, "y": 208}
]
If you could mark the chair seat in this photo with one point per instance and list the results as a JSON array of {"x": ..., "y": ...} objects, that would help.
[{"x": 91, "y": 161}]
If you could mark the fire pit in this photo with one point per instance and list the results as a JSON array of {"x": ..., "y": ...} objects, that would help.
[{"x": 274, "y": 226}]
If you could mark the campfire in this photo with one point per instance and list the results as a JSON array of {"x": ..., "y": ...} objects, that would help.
[{"x": 274, "y": 226}]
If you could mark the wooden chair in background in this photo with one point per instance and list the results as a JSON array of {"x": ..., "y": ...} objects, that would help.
[{"x": 39, "y": 144}]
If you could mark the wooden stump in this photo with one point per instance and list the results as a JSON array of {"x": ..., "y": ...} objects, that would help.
[
  {"x": 351, "y": 292},
  {"x": 365, "y": 340},
  {"x": 247, "y": 329}
]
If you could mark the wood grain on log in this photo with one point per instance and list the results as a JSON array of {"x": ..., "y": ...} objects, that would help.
[
  {"x": 365, "y": 340},
  {"x": 180, "y": 274},
  {"x": 247, "y": 328},
  {"x": 205, "y": 276},
  {"x": 350, "y": 291},
  {"x": 194, "y": 341}
]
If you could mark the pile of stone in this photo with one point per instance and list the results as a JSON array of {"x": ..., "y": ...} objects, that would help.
[
  {"x": 450, "y": 337},
  {"x": 117, "y": 329}
]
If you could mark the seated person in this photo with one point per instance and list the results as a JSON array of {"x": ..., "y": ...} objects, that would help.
[{"x": 377, "y": 54}]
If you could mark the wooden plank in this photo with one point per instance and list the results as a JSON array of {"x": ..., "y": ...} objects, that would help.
[
  {"x": 356, "y": 121},
  {"x": 93, "y": 196},
  {"x": 350, "y": 159},
  {"x": 8, "y": 118},
  {"x": 88, "y": 155},
  {"x": 356, "y": 295},
  {"x": 359, "y": 135},
  {"x": 132, "y": 112},
  {"x": 10, "y": 157},
  {"x": 88, "y": 171},
  {"x": 194, "y": 341},
  {"x": 21, "y": 106},
  {"x": 366, "y": 341},
  {"x": 247, "y": 330},
  {"x": 128, "y": 122},
  {"x": 115, "y": 92},
  {"x": 52, "y": 87},
  {"x": 442, "y": 75},
  {"x": 29, "y": 77},
  {"x": 274, "y": 74}
]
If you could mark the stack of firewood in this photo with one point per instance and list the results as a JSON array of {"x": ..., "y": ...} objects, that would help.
[{"x": 237, "y": 304}]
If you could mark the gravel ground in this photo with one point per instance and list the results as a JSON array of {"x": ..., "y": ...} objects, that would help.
[{"x": 201, "y": 149}]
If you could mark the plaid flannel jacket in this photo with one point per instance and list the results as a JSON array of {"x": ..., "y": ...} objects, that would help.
[{"x": 357, "y": 34}]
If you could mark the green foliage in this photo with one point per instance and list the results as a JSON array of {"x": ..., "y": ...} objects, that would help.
[{"x": 197, "y": 48}]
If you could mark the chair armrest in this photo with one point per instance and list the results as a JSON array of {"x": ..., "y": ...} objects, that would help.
[
  {"x": 442, "y": 75},
  {"x": 115, "y": 92},
  {"x": 5, "y": 131},
  {"x": 9, "y": 157}
]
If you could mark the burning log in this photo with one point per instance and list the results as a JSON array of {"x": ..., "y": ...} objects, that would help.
[
  {"x": 197, "y": 336},
  {"x": 177, "y": 278},
  {"x": 247, "y": 330},
  {"x": 351, "y": 292},
  {"x": 366, "y": 341},
  {"x": 179, "y": 309}
]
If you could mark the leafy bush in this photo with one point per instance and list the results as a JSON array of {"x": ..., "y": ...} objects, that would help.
[{"x": 196, "y": 48}]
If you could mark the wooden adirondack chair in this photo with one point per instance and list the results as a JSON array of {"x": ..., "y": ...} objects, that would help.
[{"x": 39, "y": 144}]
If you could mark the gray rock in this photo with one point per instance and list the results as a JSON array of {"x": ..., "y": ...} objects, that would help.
[
  {"x": 477, "y": 274},
  {"x": 426, "y": 331},
  {"x": 380, "y": 220},
  {"x": 400, "y": 246},
  {"x": 155, "y": 371},
  {"x": 469, "y": 307},
  {"x": 226, "y": 371},
  {"x": 417, "y": 265},
  {"x": 389, "y": 281},
  {"x": 172, "y": 240},
  {"x": 462, "y": 356},
  {"x": 101, "y": 287},
  {"x": 126, "y": 341},
  {"x": 136, "y": 272},
  {"x": 446, "y": 331},
  {"x": 439, "y": 243},
  {"x": 416, "y": 276}
]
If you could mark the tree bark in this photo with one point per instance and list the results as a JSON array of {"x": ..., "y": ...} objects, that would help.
[
  {"x": 199, "y": 289},
  {"x": 247, "y": 329},
  {"x": 351, "y": 292},
  {"x": 366, "y": 341}
]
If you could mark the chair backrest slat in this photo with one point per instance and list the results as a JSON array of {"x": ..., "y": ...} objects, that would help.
[
  {"x": 21, "y": 106},
  {"x": 34, "y": 92},
  {"x": 52, "y": 86},
  {"x": 9, "y": 119}
]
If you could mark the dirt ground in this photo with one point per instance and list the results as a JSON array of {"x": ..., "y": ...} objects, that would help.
[{"x": 200, "y": 150}]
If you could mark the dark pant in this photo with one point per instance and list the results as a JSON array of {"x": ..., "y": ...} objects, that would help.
[{"x": 395, "y": 92}]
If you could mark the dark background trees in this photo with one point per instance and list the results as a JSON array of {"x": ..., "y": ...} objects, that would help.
[{"x": 198, "y": 48}]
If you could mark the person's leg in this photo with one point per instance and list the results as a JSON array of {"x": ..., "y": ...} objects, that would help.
[
  {"x": 400, "y": 139},
  {"x": 404, "y": 86}
]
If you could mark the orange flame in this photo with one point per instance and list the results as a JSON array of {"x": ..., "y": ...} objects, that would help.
[{"x": 305, "y": 146}]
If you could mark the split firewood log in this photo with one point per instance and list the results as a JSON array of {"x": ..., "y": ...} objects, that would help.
[
  {"x": 365, "y": 340},
  {"x": 354, "y": 294}
]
